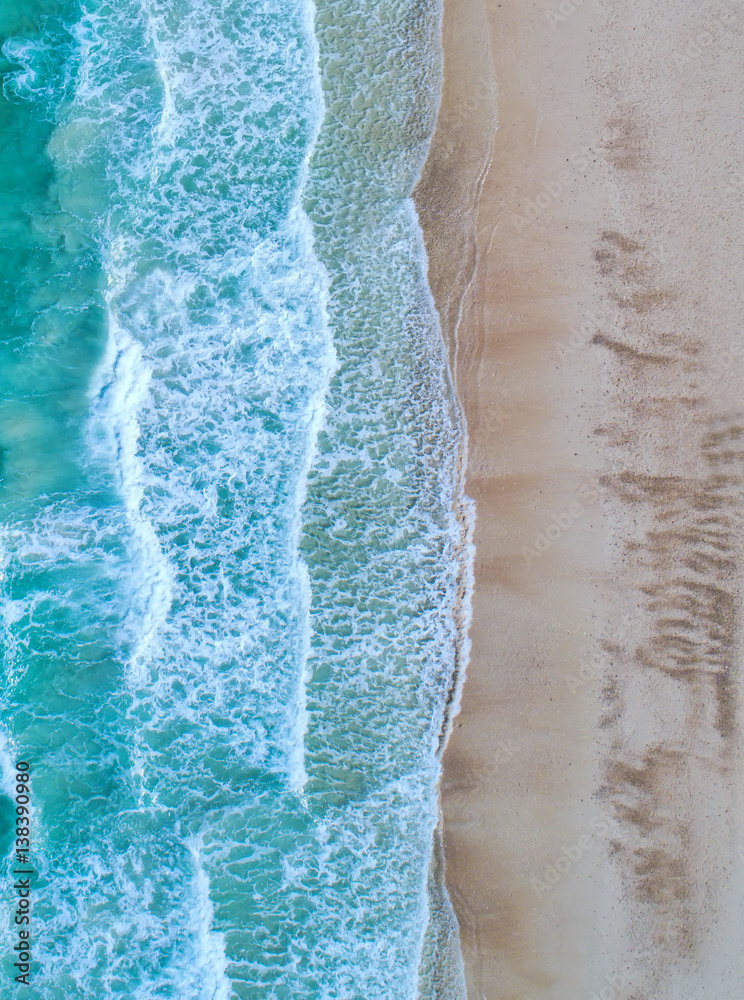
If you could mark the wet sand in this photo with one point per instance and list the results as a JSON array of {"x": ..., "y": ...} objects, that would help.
[{"x": 583, "y": 205}]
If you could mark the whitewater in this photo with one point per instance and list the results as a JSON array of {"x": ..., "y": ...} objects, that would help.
[{"x": 231, "y": 531}]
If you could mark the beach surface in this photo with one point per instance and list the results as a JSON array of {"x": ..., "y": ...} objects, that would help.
[{"x": 582, "y": 206}]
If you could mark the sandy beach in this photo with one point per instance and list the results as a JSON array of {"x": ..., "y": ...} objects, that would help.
[{"x": 582, "y": 205}]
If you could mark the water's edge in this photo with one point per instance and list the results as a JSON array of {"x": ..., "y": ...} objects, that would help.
[{"x": 446, "y": 197}]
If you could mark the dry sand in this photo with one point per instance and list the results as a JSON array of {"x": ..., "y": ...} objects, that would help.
[{"x": 583, "y": 210}]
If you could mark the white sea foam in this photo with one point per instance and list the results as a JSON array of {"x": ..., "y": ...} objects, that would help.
[
  {"x": 120, "y": 387},
  {"x": 290, "y": 548},
  {"x": 7, "y": 765},
  {"x": 317, "y": 412},
  {"x": 210, "y": 965}
]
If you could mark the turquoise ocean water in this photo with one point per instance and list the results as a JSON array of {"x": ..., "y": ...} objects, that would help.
[{"x": 229, "y": 553}]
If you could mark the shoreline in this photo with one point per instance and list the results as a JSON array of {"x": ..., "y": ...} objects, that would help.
[{"x": 591, "y": 782}]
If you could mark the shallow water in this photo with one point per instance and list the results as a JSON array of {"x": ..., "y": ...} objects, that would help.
[{"x": 229, "y": 550}]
